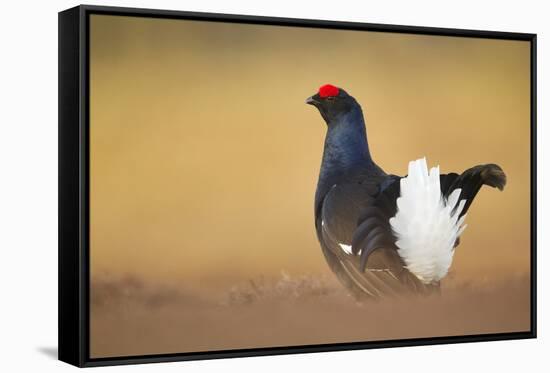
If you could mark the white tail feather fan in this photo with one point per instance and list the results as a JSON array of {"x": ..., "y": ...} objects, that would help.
[{"x": 426, "y": 225}]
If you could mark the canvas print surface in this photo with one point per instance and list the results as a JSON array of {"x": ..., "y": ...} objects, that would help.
[{"x": 264, "y": 186}]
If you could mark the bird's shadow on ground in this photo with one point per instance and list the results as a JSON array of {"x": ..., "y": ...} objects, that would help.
[{"x": 50, "y": 352}]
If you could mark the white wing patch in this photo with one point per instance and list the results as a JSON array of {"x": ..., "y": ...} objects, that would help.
[
  {"x": 346, "y": 248},
  {"x": 426, "y": 225},
  {"x": 343, "y": 246}
]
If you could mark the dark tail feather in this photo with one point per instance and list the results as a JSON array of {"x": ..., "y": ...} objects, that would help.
[{"x": 471, "y": 180}]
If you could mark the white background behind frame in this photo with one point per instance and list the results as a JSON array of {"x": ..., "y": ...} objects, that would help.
[{"x": 28, "y": 187}]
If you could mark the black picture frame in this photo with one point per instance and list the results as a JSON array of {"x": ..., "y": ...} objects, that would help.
[{"x": 73, "y": 252}]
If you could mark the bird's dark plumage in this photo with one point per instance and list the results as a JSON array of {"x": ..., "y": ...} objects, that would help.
[{"x": 355, "y": 200}]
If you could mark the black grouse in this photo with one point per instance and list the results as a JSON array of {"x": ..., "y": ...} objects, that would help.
[{"x": 383, "y": 234}]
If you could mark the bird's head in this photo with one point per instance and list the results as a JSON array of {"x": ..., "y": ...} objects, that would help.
[{"x": 332, "y": 102}]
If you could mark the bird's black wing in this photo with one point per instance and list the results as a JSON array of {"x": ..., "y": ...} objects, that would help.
[
  {"x": 373, "y": 229},
  {"x": 343, "y": 210}
]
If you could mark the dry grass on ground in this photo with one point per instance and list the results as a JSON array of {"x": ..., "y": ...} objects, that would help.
[{"x": 130, "y": 317}]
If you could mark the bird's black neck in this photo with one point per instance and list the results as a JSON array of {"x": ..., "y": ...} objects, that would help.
[
  {"x": 346, "y": 145},
  {"x": 346, "y": 150}
]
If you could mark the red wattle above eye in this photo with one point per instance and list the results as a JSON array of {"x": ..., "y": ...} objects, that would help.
[{"x": 328, "y": 90}]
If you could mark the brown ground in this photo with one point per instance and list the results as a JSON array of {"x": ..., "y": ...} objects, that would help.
[{"x": 129, "y": 317}]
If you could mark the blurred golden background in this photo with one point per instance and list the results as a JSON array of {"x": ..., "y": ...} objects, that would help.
[{"x": 204, "y": 156}]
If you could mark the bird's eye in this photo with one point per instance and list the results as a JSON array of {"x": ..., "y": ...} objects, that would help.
[{"x": 330, "y": 98}]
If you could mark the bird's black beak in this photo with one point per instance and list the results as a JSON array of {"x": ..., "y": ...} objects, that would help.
[{"x": 313, "y": 100}]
